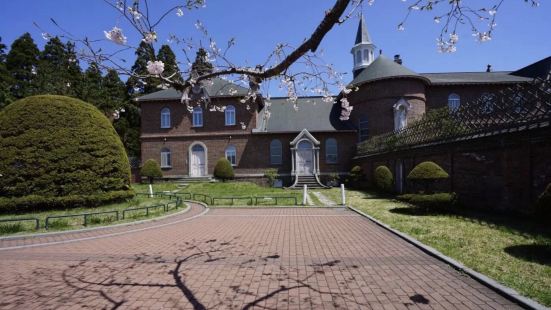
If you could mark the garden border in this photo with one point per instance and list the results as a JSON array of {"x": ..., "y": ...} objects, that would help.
[{"x": 501, "y": 289}]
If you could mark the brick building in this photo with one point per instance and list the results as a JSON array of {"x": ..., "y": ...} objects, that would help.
[{"x": 312, "y": 142}]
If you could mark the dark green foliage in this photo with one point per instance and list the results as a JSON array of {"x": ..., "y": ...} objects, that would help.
[
  {"x": 383, "y": 178},
  {"x": 58, "y": 71},
  {"x": 427, "y": 173},
  {"x": 135, "y": 86},
  {"x": 355, "y": 176},
  {"x": 167, "y": 56},
  {"x": 223, "y": 169},
  {"x": 544, "y": 203},
  {"x": 55, "y": 147},
  {"x": 21, "y": 62},
  {"x": 151, "y": 170},
  {"x": 439, "y": 200},
  {"x": 5, "y": 78},
  {"x": 271, "y": 175},
  {"x": 201, "y": 65},
  {"x": 11, "y": 228}
]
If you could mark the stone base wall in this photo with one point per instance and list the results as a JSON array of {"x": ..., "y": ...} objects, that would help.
[{"x": 504, "y": 172}]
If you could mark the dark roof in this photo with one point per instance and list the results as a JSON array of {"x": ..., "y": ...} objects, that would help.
[
  {"x": 449, "y": 78},
  {"x": 313, "y": 115},
  {"x": 539, "y": 69},
  {"x": 362, "y": 36},
  {"x": 384, "y": 68},
  {"x": 218, "y": 88}
]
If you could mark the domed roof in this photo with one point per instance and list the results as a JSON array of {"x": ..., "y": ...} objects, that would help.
[{"x": 384, "y": 68}]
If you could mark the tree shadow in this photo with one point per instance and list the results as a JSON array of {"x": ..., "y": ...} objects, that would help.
[
  {"x": 418, "y": 211},
  {"x": 536, "y": 253}
]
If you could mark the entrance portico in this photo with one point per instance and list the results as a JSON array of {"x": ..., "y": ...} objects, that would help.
[{"x": 305, "y": 154}]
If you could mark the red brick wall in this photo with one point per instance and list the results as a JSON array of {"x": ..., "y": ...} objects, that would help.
[
  {"x": 437, "y": 95},
  {"x": 376, "y": 100},
  {"x": 505, "y": 172}
]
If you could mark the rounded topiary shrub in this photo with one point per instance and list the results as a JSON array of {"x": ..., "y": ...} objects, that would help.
[
  {"x": 427, "y": 173},
  {"x": 151, "y": 170},
  {"x": 59, "y": 151},
  {"x": 223, "y": 170},
  {"x": 383, "y": 178}
]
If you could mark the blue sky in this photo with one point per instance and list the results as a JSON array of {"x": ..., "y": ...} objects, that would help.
[{"x": 523, "y": 34}]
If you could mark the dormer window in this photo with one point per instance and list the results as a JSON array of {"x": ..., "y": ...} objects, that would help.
[
  {"x": 230, "y": 115},
  {"x": 197, "y": 117},
  {"x": 165, "y": 118}
]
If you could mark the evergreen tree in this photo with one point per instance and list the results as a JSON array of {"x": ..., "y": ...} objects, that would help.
[
  {"x": 5, "y": 78},
  {"x": 114, "y": 90},
  {"x": 58, "y": 69},
  {"x": 92, "y": 88},
  {"x": 167, "y": 56},
  {"x": 21, "y": 62},
  {"x": 201, "y": 65},
  {"x": 136, "y": 86}
]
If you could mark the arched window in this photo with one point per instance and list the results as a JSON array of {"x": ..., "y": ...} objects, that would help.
[
  {"x": 363, "y": 129},
  {"x": 454, "y": 101},
  {"x": 165, "y": 118},
  {"x": 331, "y": 151},
  {"x": 197, "y": 117},
  {"x": 230, "y": 115},
  {"x": 166, "y": 161},
  {"x": 359, "y": 57},
  {"x": 231, "y": 155},
  {"x": 366, "y": 56},
  {"x": 401, "y": 109},
  {"x": 275, "y": 152}
]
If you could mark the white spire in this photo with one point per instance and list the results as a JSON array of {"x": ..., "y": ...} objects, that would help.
[{"x": 363, "y": 51}]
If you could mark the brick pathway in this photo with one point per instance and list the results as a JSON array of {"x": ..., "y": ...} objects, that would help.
[{"x": 279, "y": 258}]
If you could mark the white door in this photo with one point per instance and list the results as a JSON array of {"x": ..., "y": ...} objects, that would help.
[
  {"x": 305, "y": 158},
  {"x": 197, "y": 161}
]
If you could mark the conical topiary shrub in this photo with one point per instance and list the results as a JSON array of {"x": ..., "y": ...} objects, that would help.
[
  {"x": 151, "y": 170},
  {"x": 427, "y": 173},
  {"x": 223, "y": 170},
  {"x": 383, "y": 179}
]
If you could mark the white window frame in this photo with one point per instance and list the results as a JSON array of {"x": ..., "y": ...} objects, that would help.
[
  {"x": 331, "y": 151},
  {"x": 230, "y": 115},
  {"x": 454, "y": 102},
  {"x": 166, "y": 158},
  {"x": 231, "y": 155},
  {"x": 276, "y": 152},
  {"x": 197, "y": 117},
  {"x": 165, "y": 118}
]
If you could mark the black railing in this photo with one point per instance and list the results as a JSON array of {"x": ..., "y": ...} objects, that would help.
[{"x": 83, "y": 215}]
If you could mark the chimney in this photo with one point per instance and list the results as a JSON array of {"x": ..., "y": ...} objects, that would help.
[
  {"x": 489, "y": 68},
  {"x": 397, "y": 59}
]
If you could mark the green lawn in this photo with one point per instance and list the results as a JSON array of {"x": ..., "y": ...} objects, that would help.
[
  {"x": 513, "y": 250},
  {"x": 157, "y": 187},
  {"x": 13, "y": 228}
]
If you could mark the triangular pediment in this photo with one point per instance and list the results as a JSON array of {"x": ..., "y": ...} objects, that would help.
[{"x": 304, "y": 134}]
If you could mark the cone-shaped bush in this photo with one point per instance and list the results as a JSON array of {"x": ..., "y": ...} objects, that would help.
[
  {"x": 223, "y": 170},
  {"x": 151, "y": 170},
  {"x": 57, "y": 151},
  {"x": 383, "y": 178}
]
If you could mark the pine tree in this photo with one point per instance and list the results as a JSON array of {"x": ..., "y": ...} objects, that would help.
[
  {"x": 21, "y": 62},
  {"x": 58, "y": 69},
  {"x": 136, "y": 86},
  {"x": 201, "y": 65},
  {"x": 114, "y": 90},
  {"x": 5, "y": 78},
  {"x": 92, "y": 88},
  {"x": 167, "y": 56}
]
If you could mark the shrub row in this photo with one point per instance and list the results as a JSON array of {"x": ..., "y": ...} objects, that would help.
[
  {"x": 36, "y": 202},
  {"x": 439, "y": 200}
]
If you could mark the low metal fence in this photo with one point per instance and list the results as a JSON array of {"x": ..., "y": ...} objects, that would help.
[
  {"x": 275, "y": 199},
  {"x": 36, "y": 226},
  {"x": 85, "y": 217},
  {"x": 232, "y": 199},
  {"x": 164, "y": 206}
]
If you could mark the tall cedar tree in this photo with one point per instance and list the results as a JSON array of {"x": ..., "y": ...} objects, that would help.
[
  {"x": 201, "y": 65},
  {"x": 92, "y": 90},
  {"x": 5, "y": 78},
  {"x": 135, "y": 86},
  {"x": 58, "y": 72},
  {"x": 21, "y": 63},
  {"x": 167, "y": 56}
]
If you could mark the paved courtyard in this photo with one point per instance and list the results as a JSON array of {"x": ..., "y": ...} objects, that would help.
[{"x": 278, "y": 258}]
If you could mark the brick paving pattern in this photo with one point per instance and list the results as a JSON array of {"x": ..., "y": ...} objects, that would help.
[{"x": 277, "y": 258}]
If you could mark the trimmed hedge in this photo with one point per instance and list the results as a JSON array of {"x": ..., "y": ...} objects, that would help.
[
  {"x": 439, "y": 200},
  {"x": 223, "y": 170},
  {"x": 427, "y": 170},
  {"x": 151, "y": 170},
  {"x": 383, "y": 178},
  {"x": 57, "y": 149}
]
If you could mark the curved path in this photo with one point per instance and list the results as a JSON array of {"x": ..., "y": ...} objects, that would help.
[{"x": 280, "y": 258}]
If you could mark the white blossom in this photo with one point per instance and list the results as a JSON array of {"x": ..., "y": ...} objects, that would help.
[
  {"x": 243, "y": 126},
  {"x": 135, "y": 13},
  {"x": 46, "y": 36},
  {"x": 179, "y": 12},
  {"x": 150, "y": 37},
  {"x": 155, "y": 67},
  {"x": 115, "y": 35}
]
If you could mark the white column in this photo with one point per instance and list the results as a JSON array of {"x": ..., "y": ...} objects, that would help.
[
  {"x": 304, "y": 193},
  {"x": 343, "y": 196},
  {"x": 318, "y": 160},
  {"x": 293, "y": 161}
]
